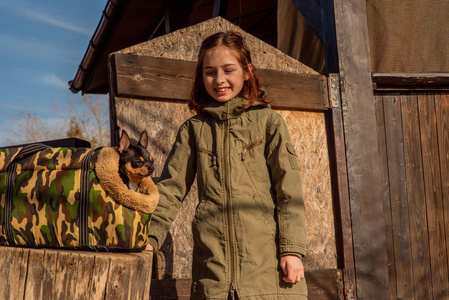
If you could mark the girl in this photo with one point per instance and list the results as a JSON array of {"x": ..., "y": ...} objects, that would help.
[{"x": 248, "y": 230}]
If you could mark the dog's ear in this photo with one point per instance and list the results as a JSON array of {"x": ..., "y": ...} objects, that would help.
[
  {"x": 124, "y": 142},
  {"x": 143, "y": 141}
]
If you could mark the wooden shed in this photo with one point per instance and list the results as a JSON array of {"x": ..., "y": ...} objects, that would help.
[{"x": 370, "y": 125}]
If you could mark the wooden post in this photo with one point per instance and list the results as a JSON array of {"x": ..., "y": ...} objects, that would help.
[
  {"x": 362, "y": 152},
  {"x": 63, "y": 274},
  {"x": 340, "y": 191}
]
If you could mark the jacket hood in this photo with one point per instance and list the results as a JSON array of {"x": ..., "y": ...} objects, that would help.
[{"x": 228, "y": 110}]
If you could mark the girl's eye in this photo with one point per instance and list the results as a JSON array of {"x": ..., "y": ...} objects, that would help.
[{"x": 229, "y": 71}]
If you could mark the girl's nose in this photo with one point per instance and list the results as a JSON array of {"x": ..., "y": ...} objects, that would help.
[{"x": 220, "y": 78}]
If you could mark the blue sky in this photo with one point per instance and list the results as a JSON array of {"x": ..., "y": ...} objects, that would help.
[{"x": 41, "y": 45}]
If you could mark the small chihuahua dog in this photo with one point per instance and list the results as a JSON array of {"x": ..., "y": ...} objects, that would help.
[{"x": 136, "y": 162}]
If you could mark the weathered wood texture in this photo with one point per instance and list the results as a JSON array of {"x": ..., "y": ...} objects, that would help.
[
  {"x": 140, "y": 76},
  {"x": 343, "y": 230},
  {"x": 61, "y": 274},
  {"x": 410, "y": 81},
  {"x": 364, "y": 176},
  {"x": 321, "y": 285},
  {"x": 415, "y": 130}
]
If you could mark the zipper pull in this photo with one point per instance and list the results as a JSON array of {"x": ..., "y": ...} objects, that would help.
[{"x": 243, "y": 153}]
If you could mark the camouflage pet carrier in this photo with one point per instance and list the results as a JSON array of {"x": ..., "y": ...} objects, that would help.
[{"x": 71, "y": 198}]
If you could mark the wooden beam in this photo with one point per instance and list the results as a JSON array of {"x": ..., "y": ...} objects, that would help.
[
  {"x": 321, "y": 285},
  {"x": 362, "y": 150},
  {"x": 397, "y": 82},
  {"x": 340, "y": 190},
  {"x": 171, "y": 79}
]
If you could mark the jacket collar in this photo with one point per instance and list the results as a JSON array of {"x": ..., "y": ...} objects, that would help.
[{"x": 227, "y": 110}]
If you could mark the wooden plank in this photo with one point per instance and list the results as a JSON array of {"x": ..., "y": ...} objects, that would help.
[
  {"x": 321, "y": 284},
  {"x": 340, "y": 190},
  {"x": 13, "y": 269},
  {"x": 442, "y": 110},
  {"x": 432, "y": 182},
  {"x": 324, "y": 284},
  {"x": 65, "y": 281},
  {"x": 381, "y": 136},
  {"x": 139, "y": 277},
  {"x": 84, "y": 273},
  {"x": 410, "y": 81},
  {"x": 171, "y": 79},
  {"x": 294, "y": 91},
  {"x": 50, "y": 270},
  {"x": 123, "y": 284},
  {"x": 63, "y": 274},
  {"x": 398, "y": 197},
  {"x": 364, "y": 178},
  {"x": 170, "y": 288},
  {"x": 33, "y": 284},
  {"x": 99, "y": 276},
  {"x": 416, "y": 197},
  {"x": 118, "y": 280}
]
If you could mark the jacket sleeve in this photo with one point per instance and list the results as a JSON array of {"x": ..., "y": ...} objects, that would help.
[
  {"x": 286, "y": 183},
  {"x": 174, "y": 184}
]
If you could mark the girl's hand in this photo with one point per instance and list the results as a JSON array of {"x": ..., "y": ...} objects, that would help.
[
  {"x": 149, "y": 247},
  {"x": 292, "y": 267}
]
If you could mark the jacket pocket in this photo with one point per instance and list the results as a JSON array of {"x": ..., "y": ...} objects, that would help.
[
  {"x": 207, "y": 174},
  {"x": 292, "y": 157},
  {"x": 244, "y": 150},
  {"x": 213, "y": 156}
]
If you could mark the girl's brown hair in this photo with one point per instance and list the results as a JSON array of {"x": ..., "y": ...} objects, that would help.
[{"x": 251, "y": 87}]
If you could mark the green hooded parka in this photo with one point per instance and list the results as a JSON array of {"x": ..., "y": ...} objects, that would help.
[{"x": 251, "y": 208}]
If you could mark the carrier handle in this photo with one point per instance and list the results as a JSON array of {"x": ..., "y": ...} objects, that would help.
[
  {"x": 10, "y": 169},
  {"x": 27, "y": 151}
]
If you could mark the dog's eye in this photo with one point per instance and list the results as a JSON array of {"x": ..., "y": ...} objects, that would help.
[{"x": 137, "y": 163}]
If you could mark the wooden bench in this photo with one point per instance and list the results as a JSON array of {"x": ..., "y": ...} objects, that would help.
[{"x": 62, "y": 274}]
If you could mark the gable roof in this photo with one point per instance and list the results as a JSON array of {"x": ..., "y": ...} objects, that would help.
[{"x": 127, "y": 23}]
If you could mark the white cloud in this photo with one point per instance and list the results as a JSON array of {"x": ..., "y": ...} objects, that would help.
[
  {"x": 54, "y": 81},
  {"x": 22, "y": 9},
  {"x": 54, "y": 22}
]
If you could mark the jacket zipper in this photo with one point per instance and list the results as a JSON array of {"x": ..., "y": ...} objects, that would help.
[
  {"x": 247, "y": 148},
  {"x": 228, "y": 201}
]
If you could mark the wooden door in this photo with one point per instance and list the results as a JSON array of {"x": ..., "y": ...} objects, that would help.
[{"x": 414, "y": 149}]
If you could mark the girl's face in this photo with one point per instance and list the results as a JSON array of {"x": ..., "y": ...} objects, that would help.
[{"x": 223, "y": 76}]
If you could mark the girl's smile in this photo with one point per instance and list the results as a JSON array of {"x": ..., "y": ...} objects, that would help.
[{"x": 223, "y": 76}]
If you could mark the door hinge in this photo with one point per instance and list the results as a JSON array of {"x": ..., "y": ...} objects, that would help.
[{"x": 333, "y": 83}]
